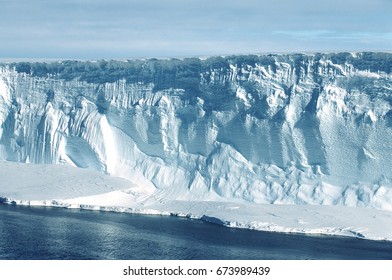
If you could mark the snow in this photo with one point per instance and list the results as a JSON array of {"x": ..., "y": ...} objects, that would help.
[
  {"x": 296, "y": 133},
  {"x": 241, "y": 94},
  {"x": 70, "y": 187},
  {"x": 46, "y": 181},
  {"x": 368, "y": 74}
]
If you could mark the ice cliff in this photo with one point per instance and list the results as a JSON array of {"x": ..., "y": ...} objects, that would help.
[{"x": 295, "y": 128}]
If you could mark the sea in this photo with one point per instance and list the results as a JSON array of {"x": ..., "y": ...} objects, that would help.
[{"x": 49, "y": 233}]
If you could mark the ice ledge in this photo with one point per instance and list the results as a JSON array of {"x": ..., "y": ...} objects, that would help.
[
  {"x": 299, "y": 219},
  {"x": 68, "y": 187}
]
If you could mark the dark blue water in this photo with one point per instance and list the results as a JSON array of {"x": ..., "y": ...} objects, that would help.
[{"x": 54, "y": 233}]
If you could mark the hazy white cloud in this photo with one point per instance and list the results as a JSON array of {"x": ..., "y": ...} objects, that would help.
[{"x": 136, "y": 28}]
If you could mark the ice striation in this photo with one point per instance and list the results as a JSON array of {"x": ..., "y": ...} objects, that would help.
[{"x": 282, "y": 129}]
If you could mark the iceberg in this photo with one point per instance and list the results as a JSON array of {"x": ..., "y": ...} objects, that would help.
[{"x": 284, "y": 133}]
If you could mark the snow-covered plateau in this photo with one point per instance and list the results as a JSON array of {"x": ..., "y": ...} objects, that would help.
[{"x": 292, "y": 143}]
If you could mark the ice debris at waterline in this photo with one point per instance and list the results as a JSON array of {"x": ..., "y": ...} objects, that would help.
[{"x": 280, "y": 129}]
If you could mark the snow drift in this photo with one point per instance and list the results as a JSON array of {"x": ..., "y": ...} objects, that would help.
[{"x": 281, "y": 129}]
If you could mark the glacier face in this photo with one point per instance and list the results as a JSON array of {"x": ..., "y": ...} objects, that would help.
[{"x": 296, "y": 128}]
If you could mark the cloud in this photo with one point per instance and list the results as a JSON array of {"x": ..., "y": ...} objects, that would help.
[{"x": 122, "y": 28}]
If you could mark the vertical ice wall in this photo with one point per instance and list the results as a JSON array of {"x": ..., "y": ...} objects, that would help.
[{"x": 283, "y": 128}]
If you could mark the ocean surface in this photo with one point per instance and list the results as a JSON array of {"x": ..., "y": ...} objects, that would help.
[{"x": 55, "y": 233}]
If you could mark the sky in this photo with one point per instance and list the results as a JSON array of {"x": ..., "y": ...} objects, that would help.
[{"x": 122, "y": 29}]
